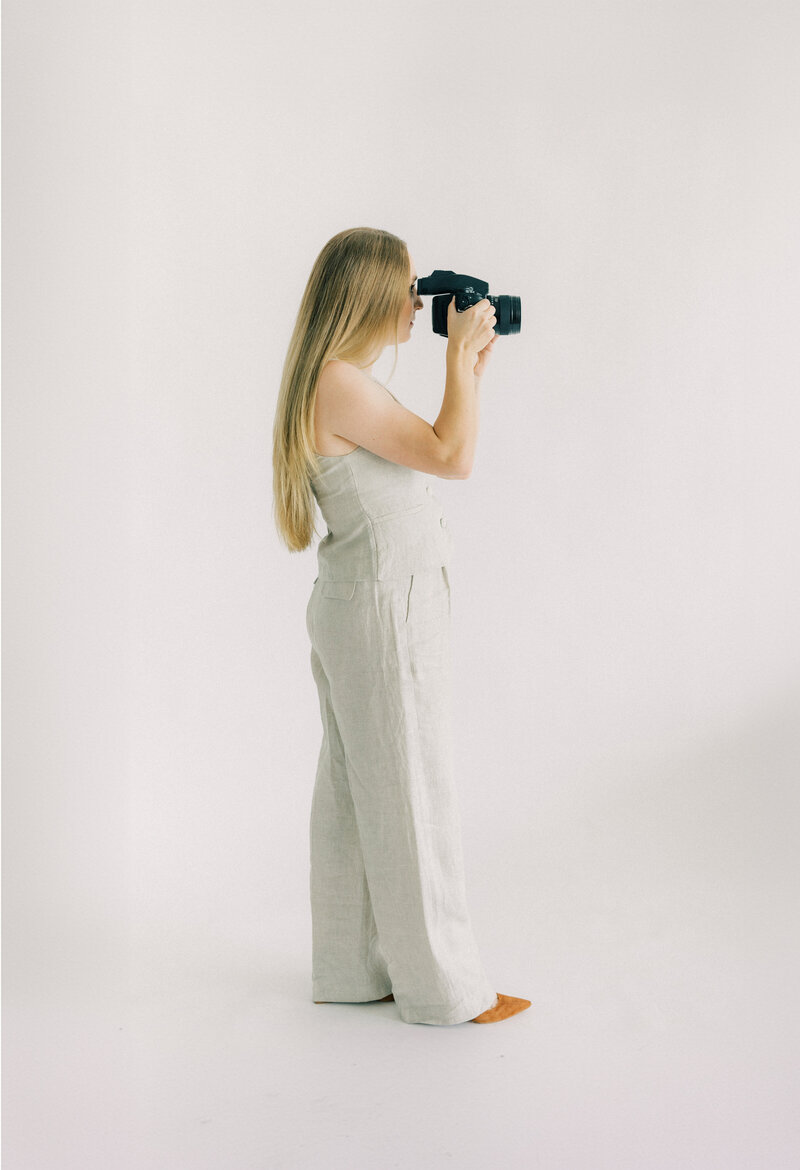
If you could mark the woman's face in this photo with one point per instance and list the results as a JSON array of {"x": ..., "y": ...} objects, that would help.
[{"x": 413, "y": 302}]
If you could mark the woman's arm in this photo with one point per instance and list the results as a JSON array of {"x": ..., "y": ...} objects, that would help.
[
  {"x": 457, "y": 421},
  {"x": 355, "y": 407}
]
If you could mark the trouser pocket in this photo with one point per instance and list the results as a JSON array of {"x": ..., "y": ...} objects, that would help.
[
  {"x": 427, "y": 603},
  {"x": 446, "y": 575}
]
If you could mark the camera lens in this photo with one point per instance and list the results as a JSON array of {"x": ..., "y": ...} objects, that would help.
[{"x": 509, "y": 313}]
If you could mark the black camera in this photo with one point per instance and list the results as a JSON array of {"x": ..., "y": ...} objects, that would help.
[{"x": 468, "y": 291}]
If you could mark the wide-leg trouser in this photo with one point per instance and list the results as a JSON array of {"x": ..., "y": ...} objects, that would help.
[{"x": 388, "y": 897}]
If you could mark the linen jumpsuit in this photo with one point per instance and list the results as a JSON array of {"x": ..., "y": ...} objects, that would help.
[{"x": 387, "y": 883}]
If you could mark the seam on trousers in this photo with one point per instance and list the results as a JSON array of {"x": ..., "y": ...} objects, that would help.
[{"x": 424, "y": 889}]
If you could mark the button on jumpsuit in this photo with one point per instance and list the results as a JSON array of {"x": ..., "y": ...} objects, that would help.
[{"x": 388, "y": 898}]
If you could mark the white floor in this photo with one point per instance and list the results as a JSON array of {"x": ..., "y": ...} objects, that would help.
[{"x": 663, "y": 1036}]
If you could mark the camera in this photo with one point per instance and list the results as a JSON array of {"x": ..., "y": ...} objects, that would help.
[{"x": 468, "y": 291}]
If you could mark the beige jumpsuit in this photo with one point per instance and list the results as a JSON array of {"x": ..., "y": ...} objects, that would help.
[{"x": 388, "y": 898}]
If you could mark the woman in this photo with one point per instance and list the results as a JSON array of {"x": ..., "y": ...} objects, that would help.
[{"x": 388, "y": 899}]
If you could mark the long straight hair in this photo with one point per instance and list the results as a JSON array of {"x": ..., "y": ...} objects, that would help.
[{"x": 351, "y": 305}]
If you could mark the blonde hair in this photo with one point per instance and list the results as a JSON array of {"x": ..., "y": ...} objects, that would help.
[{"x": 351, "y": 304}]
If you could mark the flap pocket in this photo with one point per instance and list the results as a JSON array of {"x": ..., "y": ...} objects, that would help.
[
  {"x": 343, "y": 590},
  {"x": 407, "y": 511}
]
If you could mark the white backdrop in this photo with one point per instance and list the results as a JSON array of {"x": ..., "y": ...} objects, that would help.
[{"x": 626, "y": 632}]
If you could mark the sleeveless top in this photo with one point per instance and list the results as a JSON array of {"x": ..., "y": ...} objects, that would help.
[{"x": 383, "y": 519}]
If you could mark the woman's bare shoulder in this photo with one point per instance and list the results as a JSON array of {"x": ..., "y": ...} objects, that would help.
[
  {"x": 339, "y": 375},
  {"x": 335, "y": 370}
]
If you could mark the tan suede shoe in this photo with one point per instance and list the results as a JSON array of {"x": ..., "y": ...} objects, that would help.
[{"x": 507, "y": 1005}]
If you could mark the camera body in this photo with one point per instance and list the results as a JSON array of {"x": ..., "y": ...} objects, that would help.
[{"x": 468, "y": 291}]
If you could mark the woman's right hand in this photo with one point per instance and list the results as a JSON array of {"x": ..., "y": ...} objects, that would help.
[{"x": 474, "y": 328}]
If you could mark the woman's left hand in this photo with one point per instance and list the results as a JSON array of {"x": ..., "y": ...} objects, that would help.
[{"x": 483, "y": 358}]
